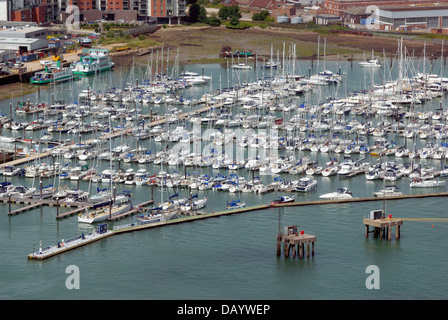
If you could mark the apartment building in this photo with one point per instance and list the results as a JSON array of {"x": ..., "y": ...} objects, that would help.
[{"x": 43, "y": 11}]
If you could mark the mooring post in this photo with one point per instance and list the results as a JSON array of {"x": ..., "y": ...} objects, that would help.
[
  {"x": 389, "y": 231},
  {"x": 279, "y": 248}
]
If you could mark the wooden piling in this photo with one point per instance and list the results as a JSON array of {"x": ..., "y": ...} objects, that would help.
[
  {"x": 383, "y": 227},
  {"x": 293, "y": 239}
]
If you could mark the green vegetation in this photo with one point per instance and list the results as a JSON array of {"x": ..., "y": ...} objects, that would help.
[
  {"x": 234, "y": 23},
  {"x": 119, "y": 38},
  {"x": 198, "y": 14},
  {"x": 228, "y": 12},
  {"x": 263, "y": 15},
  {"x": 324, "y": 29},
  {"x": 213, "y": 4}
]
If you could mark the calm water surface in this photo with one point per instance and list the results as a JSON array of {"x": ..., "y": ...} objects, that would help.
[{"x": 231, "y": 257}]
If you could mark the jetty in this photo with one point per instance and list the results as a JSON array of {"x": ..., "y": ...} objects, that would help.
[
  {"x": 295, "y": 241},
  {"x": 382, "y": 226}
]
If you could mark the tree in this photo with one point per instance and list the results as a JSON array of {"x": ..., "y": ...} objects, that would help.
[
  {"x": 202, "y": 15},
  {"x": 193, "y": 12},
  {"x": 223, "y": 13},
  {"x": 263, "y": 15},
  {"x": 234, "y": 20},
  {"x": 213, "y": 21},
  {"x": 227, "y": 12}
]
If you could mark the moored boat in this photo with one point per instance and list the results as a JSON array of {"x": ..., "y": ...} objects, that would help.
[
  {"x": 341, "y": 193},
  {"x": 283, "y": 199}
]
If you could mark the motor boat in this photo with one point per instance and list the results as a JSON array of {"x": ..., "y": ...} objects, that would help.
[
  {"x": 306, "y": 184},
  {"x": 388, "y": 191},
  {"x": 283, "y": 199},
  {"x": 341, "y": 193}
]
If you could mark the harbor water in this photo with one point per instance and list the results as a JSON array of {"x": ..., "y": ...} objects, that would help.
[{"x": 230, "y": 257}]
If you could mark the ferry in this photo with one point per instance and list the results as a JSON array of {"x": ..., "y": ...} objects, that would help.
[
  {"x": 53, "y": 75},
  {"x": 96, "y": 60}
]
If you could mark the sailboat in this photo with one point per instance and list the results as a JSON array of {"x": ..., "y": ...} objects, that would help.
[
  {"x": 372, "y": 63},
  {"x": 102, "y": 211}
]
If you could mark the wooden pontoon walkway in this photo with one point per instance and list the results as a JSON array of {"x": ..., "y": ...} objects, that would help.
[
  {"x": 190, "y": 218},
  {"x": 83, "y": 205},
  {"x": 362, "y": 199}
]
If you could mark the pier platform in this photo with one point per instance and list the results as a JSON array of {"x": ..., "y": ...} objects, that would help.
[
  {"x": 295, "y": 241},
  {"x": 382, "y": 226}
]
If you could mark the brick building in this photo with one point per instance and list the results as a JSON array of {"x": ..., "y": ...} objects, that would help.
[{"x": 43, "y": 11}]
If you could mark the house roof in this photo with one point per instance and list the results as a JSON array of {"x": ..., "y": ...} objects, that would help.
[
  {"x": 356, "y": 11},
  {"x": 262, "y": 4},
  {"x": 243, "y": 2}
]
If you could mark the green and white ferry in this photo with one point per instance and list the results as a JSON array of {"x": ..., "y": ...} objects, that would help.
[
  {"x": 53, "y": 74},
  {"x": 96, "y": 60}
]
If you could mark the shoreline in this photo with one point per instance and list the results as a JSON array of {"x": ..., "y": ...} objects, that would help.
[{"x": 202, "y": 45}]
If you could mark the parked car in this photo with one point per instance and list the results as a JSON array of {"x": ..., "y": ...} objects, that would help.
[{"x": 45, "y": 62}]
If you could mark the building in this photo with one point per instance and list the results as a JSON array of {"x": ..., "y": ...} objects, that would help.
[
  {"x": 337, "y": 7},
  {"x": 422, "y": 17},
  {"x": 7, "y": 56},
  {"x": 5, "y": 10},
  {"x": 22, "y": 45},
  {"x": 356, "y": 15},
  {"x": 23, "y": 38},
  {"x": 29, "y": 32},
  {"x": 45, "y": 11},
  {"x": 326, "y": 19}
]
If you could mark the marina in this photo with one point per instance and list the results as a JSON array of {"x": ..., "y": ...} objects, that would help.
[{"x": 249, "y": 148}]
